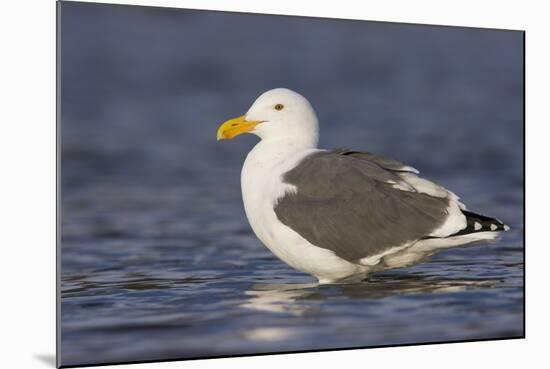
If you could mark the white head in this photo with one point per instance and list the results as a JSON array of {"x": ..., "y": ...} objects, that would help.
[{"x": 277, "y": 115}]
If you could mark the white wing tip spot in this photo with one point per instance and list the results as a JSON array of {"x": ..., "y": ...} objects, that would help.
[
  {"x": 493, "y": 227},
  {"x": 506, "y": 228},
  {"x": 477, "y": 226}
]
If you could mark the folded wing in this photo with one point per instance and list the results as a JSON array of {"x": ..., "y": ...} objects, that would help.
[{"x": 363, "y": 206}]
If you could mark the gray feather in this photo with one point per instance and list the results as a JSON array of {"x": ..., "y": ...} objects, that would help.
[
  {"x": 379, "y": 160},
  {"x": 345, "y": 202}
]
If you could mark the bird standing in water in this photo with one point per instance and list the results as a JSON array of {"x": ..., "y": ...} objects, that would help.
[{"x": 339, "y": 215}]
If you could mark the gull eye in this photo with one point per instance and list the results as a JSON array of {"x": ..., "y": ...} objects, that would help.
[{"x": 279, "y": 107}]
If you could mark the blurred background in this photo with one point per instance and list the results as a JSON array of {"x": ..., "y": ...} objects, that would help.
[{"x": 158, "y": 259}]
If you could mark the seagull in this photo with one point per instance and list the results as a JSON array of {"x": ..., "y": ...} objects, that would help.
[{"x": 339, "y": 215}]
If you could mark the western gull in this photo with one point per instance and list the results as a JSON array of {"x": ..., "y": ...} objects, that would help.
[{"x": 336, "y": 214}]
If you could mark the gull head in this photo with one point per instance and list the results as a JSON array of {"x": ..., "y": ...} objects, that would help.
[{"x": 277, "y": 115}]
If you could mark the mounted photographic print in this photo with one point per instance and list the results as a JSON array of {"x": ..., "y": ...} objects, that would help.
[{"x": 241, "y": 184}]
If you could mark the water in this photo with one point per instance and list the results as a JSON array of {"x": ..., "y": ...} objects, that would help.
[{"x": 158, "y": 259}]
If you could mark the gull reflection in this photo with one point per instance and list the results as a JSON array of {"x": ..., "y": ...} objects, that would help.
[
  {"x": 280, "y": 298},
  {"x": 301, "y": 299}
]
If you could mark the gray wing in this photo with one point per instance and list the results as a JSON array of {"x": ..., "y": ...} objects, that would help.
[
  {"x": 381, "y": 161},
  {"x": 357, "y": 204}
]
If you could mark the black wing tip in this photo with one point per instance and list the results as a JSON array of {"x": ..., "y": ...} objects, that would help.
[{"x": 481, "y": 223}]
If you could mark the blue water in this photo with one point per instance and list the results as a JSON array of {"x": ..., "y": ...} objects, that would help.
[{"x": 157, "y": 258}]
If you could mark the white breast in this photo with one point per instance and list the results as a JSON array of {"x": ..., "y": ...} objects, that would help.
[{"x": 262, "y": 186}]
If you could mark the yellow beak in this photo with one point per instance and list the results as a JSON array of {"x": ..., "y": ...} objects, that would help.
[{"x": 235, "y": 127}]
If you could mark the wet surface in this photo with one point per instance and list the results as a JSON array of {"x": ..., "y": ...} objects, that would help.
[{"x": 158, "y": 259}]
